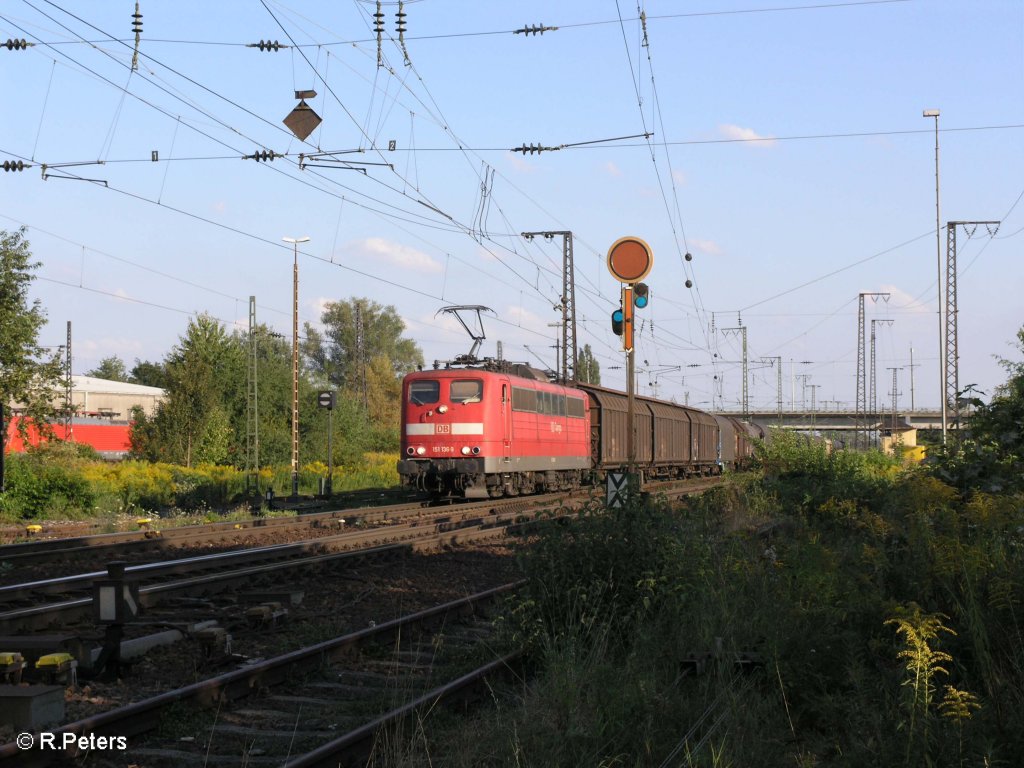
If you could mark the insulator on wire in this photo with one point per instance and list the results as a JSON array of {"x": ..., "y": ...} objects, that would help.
[
  {"x": 137, "y": 24},
  {"x": 533, "y": 29},
  {"x": 529, "y": 149},
  {"x": 16, "y": 45},
  {"x": 264, "y": 155},
  {"x": 400, "y": 21},
  {"x": 267, "y": 45},
  {"x": 15, "y": 165},
  {"x": 378, "y": 20}
]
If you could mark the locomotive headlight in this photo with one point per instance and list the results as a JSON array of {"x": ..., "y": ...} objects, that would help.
[
  {"x": 410, "y": 450},
  {"x": 465, "y": 450},
  {"x": 442, "y": 409},
  {"x": 476, "y": 450},
  {"x": 421, "y": 450}
]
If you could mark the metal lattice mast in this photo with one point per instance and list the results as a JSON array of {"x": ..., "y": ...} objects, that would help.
[
  {"x": 862, "y": 402},
  {"x": 746, "y": 379},
  {"x": 777, "y": 362},
  {"x": 950, "y": 392},
  {"x": 873, "y": 376},
  {"x": 742, "y": 330},
  {"x": 912, "y": 367},
  {"x": 361, "y": 356},
  {"x": 567, "y": 304},
  {"x": 69, "y": 408},
  {"x": 952, "y": 355},
  {"x": 778, "y": 387},
  {"x": 569, "y": 351},
  {"x": 895, "y": 395},
  {"x": 252, "y": 434}
]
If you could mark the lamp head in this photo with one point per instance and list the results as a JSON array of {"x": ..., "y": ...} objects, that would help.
[{"x": 930, "y": 113}]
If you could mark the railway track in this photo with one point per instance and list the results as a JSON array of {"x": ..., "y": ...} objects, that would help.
[
  {"x": 325, "y": 704},
  {"x": 152, "y": 538},
  {"x": 386, "y": 532},
  {"x": 226, "y": 533},
  {"x": 16, "y": 535},
  {"x": 210, "y": 574}
]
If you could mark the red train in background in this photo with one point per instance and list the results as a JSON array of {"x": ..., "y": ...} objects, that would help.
[
  {"x": 111, "y": 440},
  {"x": 503, "y": 429}
]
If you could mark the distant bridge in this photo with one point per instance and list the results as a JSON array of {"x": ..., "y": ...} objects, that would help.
[{"x": 844, "y": 420}]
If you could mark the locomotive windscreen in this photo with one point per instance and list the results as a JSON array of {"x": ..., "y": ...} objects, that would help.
[
  {"x": 423, "y": 392},
  {"x": 466, "y": 390}
]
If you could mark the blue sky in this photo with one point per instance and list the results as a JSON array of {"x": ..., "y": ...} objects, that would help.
[{"x": 787, "y": 152}]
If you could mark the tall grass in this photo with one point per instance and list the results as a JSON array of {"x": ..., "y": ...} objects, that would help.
[
  {"x": 884, "y": 609},
  {"x": 62, "y": 482}
]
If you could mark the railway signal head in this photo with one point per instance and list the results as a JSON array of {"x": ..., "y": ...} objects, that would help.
[
  {"x": 640, "y": 295},
  {"x": 618, "y": 319}
]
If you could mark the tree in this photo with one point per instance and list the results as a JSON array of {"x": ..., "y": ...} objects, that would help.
[
  {"x": 149, "y": 374},
  {"x": 990, "y": 456},
  {"x": 192, "y": 424},
  {"x": 29, "y": 374},
  {"x": 363, "y": 353},
  {"x": 588, "y": 371},
  {"x": 274, "y": 398},
  {"x": 110, "y": 368}
]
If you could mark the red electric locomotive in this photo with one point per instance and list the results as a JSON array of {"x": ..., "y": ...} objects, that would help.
[
  {"x": 494, "y": 428},
  {"x": 481, "y": 433}
]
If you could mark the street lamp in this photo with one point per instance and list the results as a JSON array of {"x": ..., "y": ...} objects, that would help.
[
  {"x": 295, "y": 362},
  {"x": 938, "y": 259}
]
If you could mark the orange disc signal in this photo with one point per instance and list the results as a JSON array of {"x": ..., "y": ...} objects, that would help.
[{"x": 630, "y": 259}]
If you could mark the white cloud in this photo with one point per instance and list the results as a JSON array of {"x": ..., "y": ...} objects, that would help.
[
  {"x": 612, "y": 169},
  {"x": 320, "y": 305},
  {"x": 520, "y": 316},
  {"x": 377, "y": 249},
  {"x": 520, "y": 164},
  {"x": 679, "y": 177},
  {"x": 108, "y": 346},
  {"x": 745, "y": 134},
  {"x": 710, "y": 247},
  {"x": 906, "y": 302}
]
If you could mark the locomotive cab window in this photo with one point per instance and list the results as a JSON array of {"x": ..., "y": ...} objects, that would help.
[
  {"x": 424, "y": 392},
  {"x": 466, "y": 391}
]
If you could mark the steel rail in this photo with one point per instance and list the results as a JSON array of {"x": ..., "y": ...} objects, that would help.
[
  {"x": 346, "y": 748},
  {"x": 441, "y": 521},
  {"x": 144, "y": 715},
  {"x": 214, "y": 533},
  {"x": 210, "y": 533},
  {"x": 43, "y": 616}
]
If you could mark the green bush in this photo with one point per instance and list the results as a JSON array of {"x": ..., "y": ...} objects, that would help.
[
  {"x": 39, "y": 487},
  {"x": 848, "y": 576}
]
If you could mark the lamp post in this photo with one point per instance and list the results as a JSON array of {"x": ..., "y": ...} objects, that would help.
[
  {"x": 938, "y": 258},
  {"x": 295, "y": 362}
]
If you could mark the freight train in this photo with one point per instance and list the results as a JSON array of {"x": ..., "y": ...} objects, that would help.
[{"x": 506, "y": 430}]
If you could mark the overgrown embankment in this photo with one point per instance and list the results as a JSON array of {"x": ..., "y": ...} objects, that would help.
[
  {"x": 883, "y": 608},
  {"x": 61, "y": 481}
]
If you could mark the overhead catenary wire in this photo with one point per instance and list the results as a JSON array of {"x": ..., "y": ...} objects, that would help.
[{"x": 417, "y": 223}]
